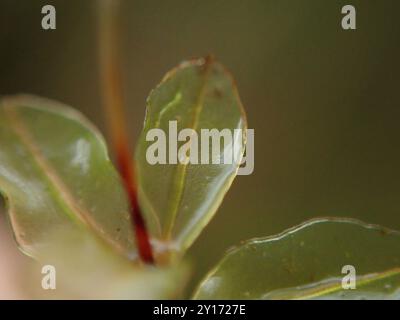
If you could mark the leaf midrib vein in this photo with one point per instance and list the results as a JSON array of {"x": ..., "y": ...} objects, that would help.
[
  {"x": 59, "y": 190},
  {"x": 182, "y": 168}
]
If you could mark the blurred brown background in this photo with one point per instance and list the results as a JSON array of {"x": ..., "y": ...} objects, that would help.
[{"x": 324, "y": 103}]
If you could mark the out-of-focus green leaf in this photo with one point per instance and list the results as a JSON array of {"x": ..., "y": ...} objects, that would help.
[
  {"x": 55, "y": 174},
  {"x": 88, "y": 269},
  {"x": 180, "y": 199},
  {"x": 306, "y": 263}
]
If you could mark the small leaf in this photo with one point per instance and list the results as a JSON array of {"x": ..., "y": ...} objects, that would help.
[
  {"x": 306, "y": 263},
  {"x": 56, "y": 175},
  {"x": 180, "y": 199}
]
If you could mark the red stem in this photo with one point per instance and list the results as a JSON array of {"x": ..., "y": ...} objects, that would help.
[
  {"x": 127, "y": 173},
  {"x": 115, "y": 116}
]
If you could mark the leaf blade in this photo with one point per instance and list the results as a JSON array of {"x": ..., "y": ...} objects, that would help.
[
  {"x": 180, "y": 199},
  {"x": 306, "y": 262},
  {"x": 54, "y": 167},
  {"x": 102, "y": 273}
]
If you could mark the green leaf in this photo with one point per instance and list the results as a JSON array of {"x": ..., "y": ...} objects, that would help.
[
  {"x": 306, "y": 263},
  {"x": 180, "y": 199},
  {"x": 55, "y": 174},
  {"x": 88, "y": 269}
]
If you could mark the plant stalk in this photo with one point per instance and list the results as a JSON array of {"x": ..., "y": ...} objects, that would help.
[{"x": 115, "y": 116}]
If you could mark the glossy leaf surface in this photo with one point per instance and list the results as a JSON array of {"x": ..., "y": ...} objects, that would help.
[
  {"x": 307, "y": 262},
  {"x": 56, "y": 175},
  {"x": 179, "y": 198}
]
